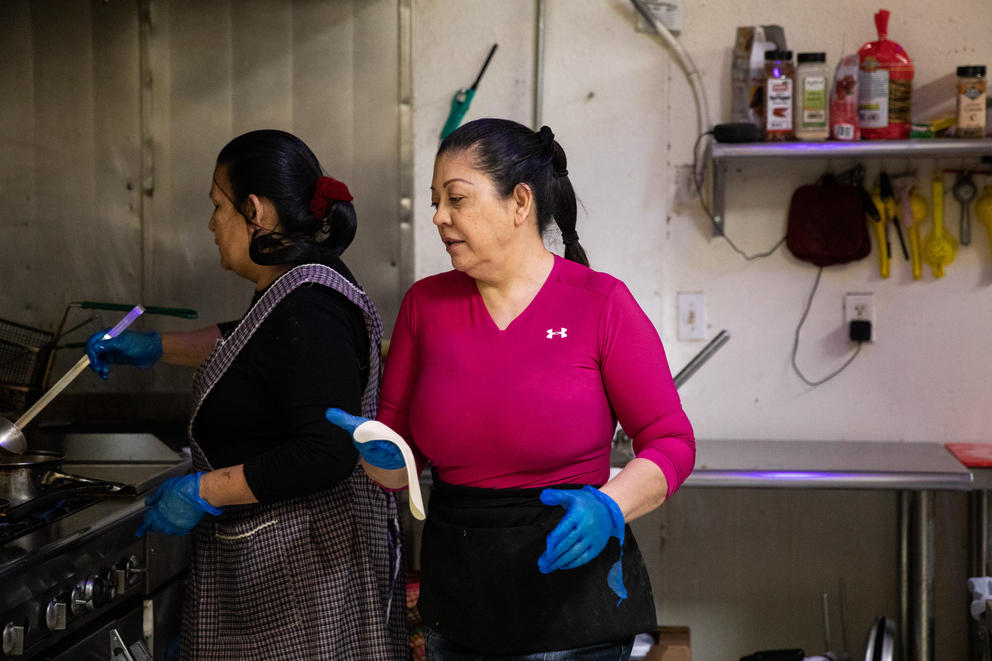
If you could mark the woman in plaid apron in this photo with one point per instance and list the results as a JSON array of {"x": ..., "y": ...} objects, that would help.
[{"x": 295, "y": 550}]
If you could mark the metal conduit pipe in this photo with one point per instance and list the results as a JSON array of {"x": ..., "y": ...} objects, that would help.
[
  {"x": 903, "y": 551},
  {"x": 921, "y": 616},
  {"x": 539, "y": 22},
  {"x": 685, "y": 61}
]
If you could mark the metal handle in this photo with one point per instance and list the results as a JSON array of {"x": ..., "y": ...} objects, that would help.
[
  {"x": 185, "y": 313},
  {"x": 76, "y": 369},
  {"x": 13, "y": 640},
  {"x": 697, "y": 361},
  {"x": 118, "y": 650},
  {"x": 965, "y": 224}
]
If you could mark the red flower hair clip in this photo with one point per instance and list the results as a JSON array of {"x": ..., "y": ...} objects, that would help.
[{"x": 328, "y": 190}]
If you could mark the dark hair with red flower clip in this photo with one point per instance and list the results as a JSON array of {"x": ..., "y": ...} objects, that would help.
[
  {"x": 317, "y": 221},
  {"x": 328, "y": 190}
]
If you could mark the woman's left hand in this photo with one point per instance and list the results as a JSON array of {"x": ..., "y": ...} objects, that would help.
[
  {"x": 591, "y": 518},
  {"x": 176, "y": 507}
]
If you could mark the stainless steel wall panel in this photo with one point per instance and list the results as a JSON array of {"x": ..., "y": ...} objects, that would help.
[
  {"x": 116, "y": 169},
  {"x": 375, "y": 256},
  {"x": 70, "y": 156},
  {"x": 191, "y": 120},
  {"x": 114, "y": 113},
  {"x": 324, "y": 51},
  {"x": 261, "y": 43},
  {"x": 17, "y": 160}
]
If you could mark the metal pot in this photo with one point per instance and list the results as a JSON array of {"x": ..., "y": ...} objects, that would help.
[{"x": 20, "y": 474}]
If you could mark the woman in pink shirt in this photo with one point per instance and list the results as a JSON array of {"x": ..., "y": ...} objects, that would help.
[{"x": 508, "y": 375}]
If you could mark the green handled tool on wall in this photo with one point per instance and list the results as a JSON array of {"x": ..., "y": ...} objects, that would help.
[{"x": 462, "y": 100}]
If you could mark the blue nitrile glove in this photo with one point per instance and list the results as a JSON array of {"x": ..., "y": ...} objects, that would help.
[
  {"x": 378, "y": 453},
  {"x": 591, "y": 518},
  {"x": 176, "y": 507},
  {"x": 129, "y": 348}
]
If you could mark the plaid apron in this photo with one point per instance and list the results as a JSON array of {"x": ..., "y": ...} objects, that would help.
[{"x": 315, "y": 577}]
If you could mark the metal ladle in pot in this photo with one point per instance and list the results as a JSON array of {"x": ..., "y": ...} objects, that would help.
[{"x": 11, "y": 433}]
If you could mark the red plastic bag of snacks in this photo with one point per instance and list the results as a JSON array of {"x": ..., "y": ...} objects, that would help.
[
  {"x": 844, "y": 100},
  {"x": 885, "y": 86}
]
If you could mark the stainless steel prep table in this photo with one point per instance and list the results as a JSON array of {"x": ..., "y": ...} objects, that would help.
[{"x": 915, "y": 470}]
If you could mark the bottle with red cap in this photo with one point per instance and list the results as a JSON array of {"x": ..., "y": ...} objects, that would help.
[{"x": 885, "y": 86}]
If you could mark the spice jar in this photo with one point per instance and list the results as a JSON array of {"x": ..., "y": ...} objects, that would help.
[
  {"x": 811, "y": 119},
  {"x": 779, "y": 79},
  {"x": 971, "y": 102}
]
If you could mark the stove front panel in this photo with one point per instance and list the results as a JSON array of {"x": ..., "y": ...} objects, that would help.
[{"x": 57, "y": 596}]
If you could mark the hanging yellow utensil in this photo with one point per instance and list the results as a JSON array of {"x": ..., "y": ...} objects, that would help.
[
  {"x": 880, "y": 234},
  {"x": 983, "y": 210},
  {"x": 939, "y": 248},
  {"x": 920, "y": 211}
]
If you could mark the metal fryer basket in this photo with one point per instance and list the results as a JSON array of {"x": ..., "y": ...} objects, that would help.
[{"x": 24, "y": 354}]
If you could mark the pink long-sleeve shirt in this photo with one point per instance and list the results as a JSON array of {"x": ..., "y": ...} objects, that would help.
[{"x": 535, "y": 404}]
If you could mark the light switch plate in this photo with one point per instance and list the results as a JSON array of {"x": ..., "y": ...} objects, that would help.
[{"x": 691, "y": 315}]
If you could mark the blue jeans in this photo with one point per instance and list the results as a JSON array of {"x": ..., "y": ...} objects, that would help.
[{"x": 439, "y": 649}]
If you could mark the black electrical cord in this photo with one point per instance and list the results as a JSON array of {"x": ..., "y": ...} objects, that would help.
[
  {"x": 716, "y": 226},
  {"x": 795, "y": 343}
]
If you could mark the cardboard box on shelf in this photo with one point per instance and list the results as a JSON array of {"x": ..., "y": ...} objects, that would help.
[
  {"x": 747, "y": 76},
  {"x": 671, "y": 644}
]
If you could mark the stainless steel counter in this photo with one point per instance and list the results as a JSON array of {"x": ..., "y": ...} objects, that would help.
[
  {"x": 827, "y": 465},
  {"x": 915, "y": 470}
]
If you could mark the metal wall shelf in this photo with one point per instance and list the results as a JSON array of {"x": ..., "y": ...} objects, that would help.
[{"x": 723, "y": 154}]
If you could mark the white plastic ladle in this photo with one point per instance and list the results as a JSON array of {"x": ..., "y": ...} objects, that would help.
[
  {"x": 11, "y": 433},
  {"x": 373, "y": 430}
]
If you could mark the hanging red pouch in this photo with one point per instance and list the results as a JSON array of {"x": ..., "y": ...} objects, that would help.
[{"x": 827, "y": 223}]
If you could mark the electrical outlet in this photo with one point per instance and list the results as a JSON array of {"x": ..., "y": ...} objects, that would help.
[
  {"x": 692, "y": 315},
  {"x": 860, "y": 306},
  {"x": 669, "y": 12}
]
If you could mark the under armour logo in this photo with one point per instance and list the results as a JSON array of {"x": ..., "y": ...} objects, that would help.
[{"x": 561, "y": 333}]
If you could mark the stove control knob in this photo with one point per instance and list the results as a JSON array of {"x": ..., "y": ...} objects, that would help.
[
  {"x": 55, "y": 614},
  {"x": 13, "y": 640},
  {"x": 126, "y": 574},
  {"x": 93, "y": 593},
  {"x": 133, "y": 570},
  {"x": 77, "y": 604}
]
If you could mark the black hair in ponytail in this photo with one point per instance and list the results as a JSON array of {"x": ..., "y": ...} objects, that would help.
[{"x": 510, "y": 154}]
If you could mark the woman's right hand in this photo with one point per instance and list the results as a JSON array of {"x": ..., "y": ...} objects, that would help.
[
  {"x": 129, "y": 348},
  {"x": 382, "y": 454}
]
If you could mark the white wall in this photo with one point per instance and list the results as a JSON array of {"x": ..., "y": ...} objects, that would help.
[{"x": 623, "y": 111}]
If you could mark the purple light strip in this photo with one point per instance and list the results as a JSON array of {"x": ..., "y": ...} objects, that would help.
[
  {"x": 128, "y": 319},
  {"x": 838, "y": 479}
]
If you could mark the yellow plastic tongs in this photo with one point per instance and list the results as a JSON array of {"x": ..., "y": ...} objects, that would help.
[
  {"x": 880, "y": 218},
  {"x": 983, "y": 210},
  {"x": 920, "y": 209},
  {"x": 939, "y": 248}
]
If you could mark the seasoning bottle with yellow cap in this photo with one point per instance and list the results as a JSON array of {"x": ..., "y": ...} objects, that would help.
[{"x": 971, "y": 102}]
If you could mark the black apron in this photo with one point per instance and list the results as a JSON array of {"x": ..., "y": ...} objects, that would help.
[
  {"x": 315, "y": 577},
  {"x": 481, "y": 588}
]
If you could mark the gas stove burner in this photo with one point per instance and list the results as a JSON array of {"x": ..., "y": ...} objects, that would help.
[
  {"x": 71, "y": 567},
  {"x": 20, "y": 520}
]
